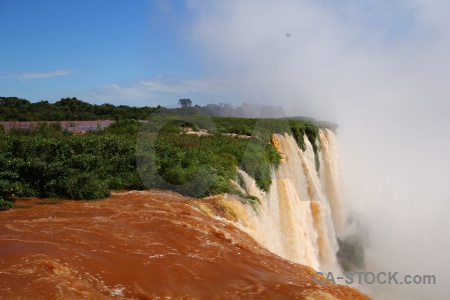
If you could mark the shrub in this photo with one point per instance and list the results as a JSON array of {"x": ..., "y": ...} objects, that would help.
[
  {"x": 4, "y": 204},
  {"x": 253, "y": 201},
  {"x": 8, "y": 189},
  {"x": 50, "y": 162},
  {"x": 85, "y": 186},
  {"x": 125, "y": 126}
]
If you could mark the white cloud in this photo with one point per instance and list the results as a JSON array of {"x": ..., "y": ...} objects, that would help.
[
  {"x": 159, "y": 90},
  {"x": 334, "y": 55},
  {"x": 381, "y": 70},
  {"x": 36, "y": 75}
]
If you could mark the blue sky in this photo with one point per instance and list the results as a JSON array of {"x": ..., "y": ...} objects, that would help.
[
  {"x": 150, "y": 52},
  {"x": 54, "y": 49}
]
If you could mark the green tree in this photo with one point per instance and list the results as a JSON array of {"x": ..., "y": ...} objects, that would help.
[{"x": 185, "y": 102}]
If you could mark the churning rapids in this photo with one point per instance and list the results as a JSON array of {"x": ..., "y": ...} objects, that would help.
[{"x": 158, "y": 244}]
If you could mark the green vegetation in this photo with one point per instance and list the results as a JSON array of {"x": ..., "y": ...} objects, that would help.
[
  {"x": 182, "y": 159},
  {"x": 66, "y": 109},
  {"x": 202, "y": 165},
  {"x": 185, "y": 102},
  {"x": 266, "y": 127},
  {"x": 73, "y": 109},
  {"x": 253, "y": 201},
  {"x": 261, "y": 129},
  {"x": 5, "y": 204},
  {"x": 47, "y": 161}
]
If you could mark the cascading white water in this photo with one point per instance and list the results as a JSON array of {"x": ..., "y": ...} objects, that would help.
[
  {"x": 302, "y": 213},
  {"x": 330, "y": 174}
]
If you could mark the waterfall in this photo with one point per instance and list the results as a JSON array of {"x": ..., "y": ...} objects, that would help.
[
  {"x": 330, "y": 172},
  {"x": 301, "y": 214}
]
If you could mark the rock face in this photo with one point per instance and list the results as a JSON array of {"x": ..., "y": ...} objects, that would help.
[
  {"x": 351, "y": 254},
  {"x": 142, "y": 245}
]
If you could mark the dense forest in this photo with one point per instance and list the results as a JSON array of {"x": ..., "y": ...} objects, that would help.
[{"x": 67, "y": 109}]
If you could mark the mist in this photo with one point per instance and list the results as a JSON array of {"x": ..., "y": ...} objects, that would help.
[{"x": 380, "y": 70}]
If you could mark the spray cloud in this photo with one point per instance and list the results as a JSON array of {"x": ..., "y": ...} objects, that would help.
[{"x": 380, "y": 70}]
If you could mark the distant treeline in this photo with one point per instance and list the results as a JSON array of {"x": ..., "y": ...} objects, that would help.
[
  {"x": 67, "y": 109},
  {"x": 73, "y": 109}
]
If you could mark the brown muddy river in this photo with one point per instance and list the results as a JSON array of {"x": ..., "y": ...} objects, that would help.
[{"x": 141, "y": 245}]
